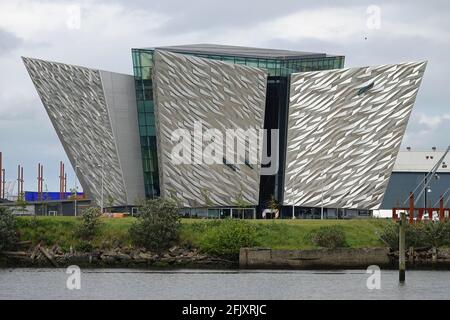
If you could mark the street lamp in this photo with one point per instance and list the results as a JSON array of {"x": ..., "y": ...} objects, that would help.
[
  {"x": 76, "y": 185},
  {"x": 103, "y": 178},
  {"x": 321, "y": 201}
]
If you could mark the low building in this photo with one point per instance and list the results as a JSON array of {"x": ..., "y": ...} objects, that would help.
[{"x": 410, "y": 170}]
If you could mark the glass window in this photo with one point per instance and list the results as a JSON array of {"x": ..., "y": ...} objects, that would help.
[
  {"x": 148, "y": 105},
  {"x": 147, "y": 59},
  {"x": 141, "y": 106},
  {"x": 142, "y": 131},
  {"x": 141, "y": 118}
]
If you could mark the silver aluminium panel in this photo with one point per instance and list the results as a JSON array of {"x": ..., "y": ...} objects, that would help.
[
  {"x": 91, "y": 131},
  {"x": 222, "y": 96},
  {"x": 344, "y": 131}
]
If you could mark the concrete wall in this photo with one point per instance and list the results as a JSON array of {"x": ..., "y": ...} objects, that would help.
[
  {"x": 340, "y": 258},
  {"x": 120, "y": 98}
]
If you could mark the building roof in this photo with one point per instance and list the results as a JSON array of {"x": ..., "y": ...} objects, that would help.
[
  {"x": 420, "y": 161},
  {"x": 216, "y": 49}
]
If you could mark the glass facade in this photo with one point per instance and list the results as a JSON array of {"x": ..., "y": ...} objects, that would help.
[
  {"x": 143, "y": 66},
  {"x": 278, "y": 70}
]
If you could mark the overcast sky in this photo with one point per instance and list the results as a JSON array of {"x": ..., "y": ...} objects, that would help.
[{"x": 108, "y": 29}]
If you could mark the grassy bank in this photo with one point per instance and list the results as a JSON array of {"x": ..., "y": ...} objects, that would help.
[{"x": 275, "y": 234}]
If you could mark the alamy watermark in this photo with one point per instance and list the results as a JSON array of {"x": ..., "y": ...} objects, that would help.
[
  {"x": 73, "y": 21},
  {"x": 235, "y": 146},
  {"x": 74, "y": 280},
  {"x": 373, "y": 17},
  {"x": 373, "y": 282}
]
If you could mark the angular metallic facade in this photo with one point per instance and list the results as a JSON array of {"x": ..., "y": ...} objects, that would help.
[
  {"x": 94, "y": 115},
  {"x": 344, "y": 132},
  {"x": 221, "y": 96}
]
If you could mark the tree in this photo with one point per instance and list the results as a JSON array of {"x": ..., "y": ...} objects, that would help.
[
  {"x": 21, "y": 203},
  {"x": 73, "y": 194},
  {"x": 110, "y": 201},
  {"x": 157, "y": 224},
  {"x": 207, "y": 200},
  {"x": 240, "y": 202},
  {"x": 90, "y": 223},
  {"x": 273, "y": 205},
  {"x": 8, "y": 234}
]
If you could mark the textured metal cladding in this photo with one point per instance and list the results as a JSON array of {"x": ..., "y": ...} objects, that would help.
[
  {"x": 344, "y": 132},
  {"x": 222, "y": 96},
  {"x": 75, "y": 102}
]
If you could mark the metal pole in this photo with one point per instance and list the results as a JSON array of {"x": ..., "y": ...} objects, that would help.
[
  {"x": 321, "y": 203},
  {"x": 411, "y": 208},
  {"x": 293, "y": 212},
  {"x": 401, "y": 248},
  {"x": 431, "y": 174},
  {"x": 103, "y": 177},
  {"x": 76, "y": 187}
]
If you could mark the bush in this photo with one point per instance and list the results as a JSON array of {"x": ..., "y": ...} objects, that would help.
[
  {"x": 84, "y": 246},
  {"x": 435, "y": 234},
  {"x": 228, "y": 236},
  {"x": 157, "y": 224},
  {"x": 8, "y": 235},
  {"x": 328, "y": 237},
  {"x": 90, "y": 224}
]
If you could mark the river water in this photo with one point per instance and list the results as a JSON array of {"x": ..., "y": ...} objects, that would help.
[{"x": 216, "y": 284}]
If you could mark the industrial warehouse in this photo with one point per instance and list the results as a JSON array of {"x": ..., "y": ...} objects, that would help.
[{"x": 330, "y": 148}]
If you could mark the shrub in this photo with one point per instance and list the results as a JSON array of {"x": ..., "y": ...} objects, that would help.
[
  {"x": 328, "y": 237},
  {"x": 84, "y": 246},
  {"x": 8, "y": 235},
  {"x": 435, "y": 234},
  {"x": 228, "y": 237},
  {"x": 90, "y": 223},
  {"x": 157, "y": 224}
]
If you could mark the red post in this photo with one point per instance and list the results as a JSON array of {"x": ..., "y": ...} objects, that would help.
[
  {"x": 394, "y": 214},
  {"x": 42, "y": 182},
  {"x": 441, "y": 209},
  {"x": 21, "y": 181},
  {"x": 60, "y": 179},
  {"x": 18, "y": 181},
  {"x": 420, "y": 215},
  {"x": 411, "y": 208},
  {"x": 39, "y": 182},
  {"x": 430, "y": 214}
]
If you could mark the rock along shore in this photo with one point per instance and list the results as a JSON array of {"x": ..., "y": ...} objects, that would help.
[
  {"x": 249, "y": 258},
  {"x": 175, "y": 257},
  {"x": 342, "y": 258}
]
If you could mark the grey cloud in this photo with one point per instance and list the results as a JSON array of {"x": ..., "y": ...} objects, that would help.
[{"x": 8, "y": 42}]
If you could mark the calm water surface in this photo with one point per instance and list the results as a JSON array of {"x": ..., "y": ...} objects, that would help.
[{"x": 215, "y": 284}]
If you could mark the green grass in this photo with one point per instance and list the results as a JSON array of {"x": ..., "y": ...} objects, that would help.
[
  {"x": 276, "y": 234},
  {"x": 291, "y": 234},
  {"x": 60, "y": 231}
]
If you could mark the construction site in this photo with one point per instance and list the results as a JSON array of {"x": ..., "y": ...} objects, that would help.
[{"x": 65, "y": 202}]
